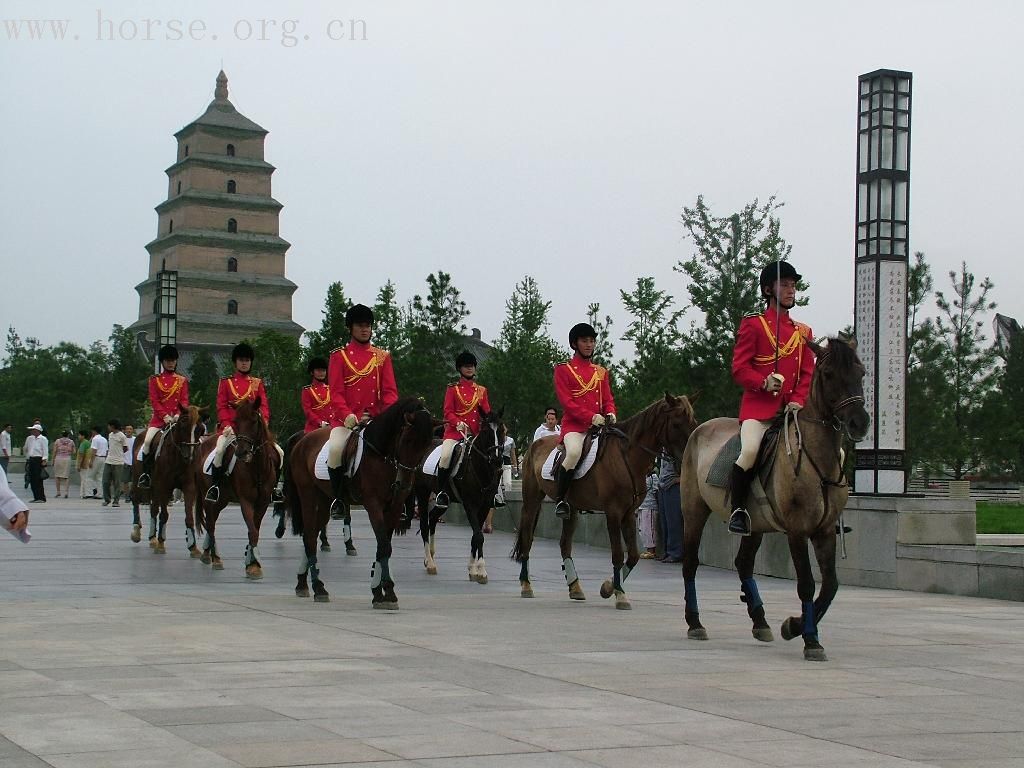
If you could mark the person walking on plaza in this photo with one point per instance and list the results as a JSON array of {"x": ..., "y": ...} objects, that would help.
[
  {"x": 549, "y": 427},
  {"x": 82, "y": 460},
  {"x": 772, "y": 363},
  {"x": 63, "y": 451},
  {"x": 586, "y": 398},
  {"x": 168, "y": 394},
  {"x": 646, "y": 518},
  {"x": 113, "y": 465},
  {"x": 5, "y": 447},
  {"x": 36, "y": 450},
  {"x": 129, "y": 459},
  {"x": 362, "y": 381},
  {"x": 463, "y": 402},
  {"x": 670, "y": 511},
  {"x": 97, "y": 458}
]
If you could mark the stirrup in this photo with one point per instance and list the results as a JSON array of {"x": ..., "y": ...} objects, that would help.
[
  {"x": 338, "y": 510},
  {"x": 739, "y": 522},
  {"x": 144, "y": 481},
  {"x": 441, "y": 500},
  {"x": 276, "y": 496},
  {"x": 563, "y": 510},
  {"x": 213, "y": 495},
  {"x": 499, "y": 501}
]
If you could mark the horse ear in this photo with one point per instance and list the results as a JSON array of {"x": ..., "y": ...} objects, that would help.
[
  {"x": 694, "y": 397},
  {"x": 204, "y": 411},
  {"x": 670, "y": 398}
]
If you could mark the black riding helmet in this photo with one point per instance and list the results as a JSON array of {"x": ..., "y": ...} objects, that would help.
[
  {"x": 581, "y": 330},
  {"x": 242, "y": 350},
  {"x": 778, "y": 270},
  {"x": 358, "y": 313},
  {"x": 316, "y": 363},
  {"x": 464, "y": 358},
  {"x": 168, "y": 352}
]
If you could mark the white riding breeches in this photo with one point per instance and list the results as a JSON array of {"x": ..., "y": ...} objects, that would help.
[
  {"x": 751, "y": 432},
  {"x": 447, "y": 447},
  {"x": 150, "y": 434},
  {"x": 224, "y": 439},
  {"x": 573, "y": 449},
  {"x": 336, "y": 446}
]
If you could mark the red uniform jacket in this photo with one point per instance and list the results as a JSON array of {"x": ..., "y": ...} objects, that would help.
[
  {"x": 460, "y": 404},
  {"x": 583, "y": 390},
  {"x": 316, "y": 404},
  {"x": 362, "y": 381},
  {"x": 233, "y": 391},
  {"x": 166, "y": 392},
  {"x": 753, "y": 358}
]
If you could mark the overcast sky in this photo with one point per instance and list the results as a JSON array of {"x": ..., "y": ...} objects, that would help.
[{"x": 496, "y": 140}]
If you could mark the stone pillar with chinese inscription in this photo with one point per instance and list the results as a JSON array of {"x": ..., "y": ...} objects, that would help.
[{"x": 882, "y": 262}]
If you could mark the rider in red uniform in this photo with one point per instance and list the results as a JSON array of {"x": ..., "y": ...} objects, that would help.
[
  {"x": 773, "y": 364},
  {"x": 168, "y": 393},
  {"x": 316, "y": 396},
  {"x": 586, "y": 397},
  {"x": 362, "y": 382},
  {"x": 462, "y": 401}
]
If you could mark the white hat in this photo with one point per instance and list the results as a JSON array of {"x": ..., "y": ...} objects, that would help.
[{"x": 37, "y": 425}]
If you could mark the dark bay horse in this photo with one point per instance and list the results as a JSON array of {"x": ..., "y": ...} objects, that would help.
[
  {"x": 807, "y": 488},
  {"x": 173, "y": 449},
  {"x": 615, "y": 485},
  {"x": 475, "y": 485},
  {"x": 250, "y": 483},
  {"x": 281, "y": 507},
  {"x": 394, "y": 446}
]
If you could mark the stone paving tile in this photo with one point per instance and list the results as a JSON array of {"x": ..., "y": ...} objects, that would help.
[
  {"x": 276, "y": 753},
  {"x": 465, "y": 743},
  {"x": 205, "y": 715},
  {"x": 662, "y": 757},
  {"x": 188, "y": 757}
]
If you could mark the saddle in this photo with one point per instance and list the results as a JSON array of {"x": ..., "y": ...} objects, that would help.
[
  {"x": 351, "y": 455},
  {"x": 458, "y": 454},
  {"x": 721, "y": 470},
  {"x": 588, "y": 457}
]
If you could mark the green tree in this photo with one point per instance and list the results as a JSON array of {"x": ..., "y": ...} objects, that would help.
[
  {"x": 203, "y": 380},
  {"x": 518, "y": 372},
  {"x": 279, "y": 363},
  {"x": 333, "y": 332},
  {"x": 723, "y": 285},
  {"x": 388, "y": 331},
  {"x": 1003, "y": 444},
  {"x": 122, "y": 392},
  {"x": 924, "y": 374},
  {"x": 604, "y": 349}
]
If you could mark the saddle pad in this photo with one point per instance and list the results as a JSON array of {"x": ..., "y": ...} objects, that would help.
[
  {"x": 548, "y": 471},
  {"x": 432, "y": 460},
  {"x": 208, "y": 464},
  {"x": 320, "y": 468},
  {"x": 721, "y": 468}
]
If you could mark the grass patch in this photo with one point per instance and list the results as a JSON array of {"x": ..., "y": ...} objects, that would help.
[{"x": 1000, "y": 518}]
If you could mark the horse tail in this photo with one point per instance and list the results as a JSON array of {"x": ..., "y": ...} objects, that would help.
[{"x": 293, "y": 503}]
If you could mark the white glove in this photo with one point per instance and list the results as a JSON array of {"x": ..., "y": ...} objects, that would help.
[
  {"x": 351, "y": 420},
  {"x": 324, "y": 424},
  {"x": 793, "y": 407},
  {"x": 610, "y": 418},
  {"x": 168, "y": 419},
  {"x": 773, "y": 383},
  {"x": 462, "y": 427},
  {"x": 598, "y": 420}
]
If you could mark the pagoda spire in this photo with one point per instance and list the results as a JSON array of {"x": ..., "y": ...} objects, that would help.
[{"x": 220, "y": 92}]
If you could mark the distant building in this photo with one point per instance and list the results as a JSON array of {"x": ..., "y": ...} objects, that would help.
[
  {"x": 1005, "y": 330},
  {"x": 217, "y": 266}
]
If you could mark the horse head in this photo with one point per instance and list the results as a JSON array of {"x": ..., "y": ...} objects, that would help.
[
  {"x": 414, "y": 431},
  {"x": 188, "y": 428},
  {"x": 837, "y": 389},
  {"x": 491, "y": 440},
  {"x": 251, "y": 431},
  {"x": 677, "y": 422}
]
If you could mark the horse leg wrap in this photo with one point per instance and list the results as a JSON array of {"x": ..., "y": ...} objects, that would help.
[
  {"x": 810, "y": 627},
  {"x": 346, "y": 530},
  {"x": 750, "y": 595},
  {"x": 314, "y": 570},
  {"x": 385, "y": 570},
  {"x": 690, "y": 595},
  {"x": 375, "y": 574},
  {"x": 621, "y": 574},
  {"x": 524, "y": 571},
  {"x": 303, "y": 565},
  {"x": 207, "y": 541},
  {"x": 152, "y": 527},
  {"x": 569, "y": 569},
  {"x": 251, "y": 555},
  {"x": 190, "y": 537},
  {"x": 162, "y": 530}
]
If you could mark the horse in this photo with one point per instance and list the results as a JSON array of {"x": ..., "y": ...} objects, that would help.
[
  {"x": 615, "y": 485},
  {"x": 475, "y": 485},
  {"x": 394, "y": 446},
  {"x": 807, "y": 490},
  {"x": 250, "y": 483},
  {"x": 281, "y": 507},
  {"x": 172, "y": 449}
]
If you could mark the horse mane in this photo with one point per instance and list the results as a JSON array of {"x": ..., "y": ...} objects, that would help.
[
  {"x": 390, "y": 420},
  {"x": 648, "y": 418},
  {"x": 840, "y": 353}
]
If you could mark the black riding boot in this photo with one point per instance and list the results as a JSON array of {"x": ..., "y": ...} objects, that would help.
[
  {"x": 739, "y": 521},
  {"x": 145, "y": 480},
  {"x": 562, "y": 480},
  {"x": 443, "y": 475},
  {"x": 339, "y": 509},
  {"x": 213, "y": 495}
]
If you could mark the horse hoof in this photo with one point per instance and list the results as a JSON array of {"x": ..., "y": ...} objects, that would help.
[
  {"x": 205, "y": 558},
  {"x": 160, "y": 549},
  {"x": 607, "y": 590},
  {"x": 815, "y": 654},
  {"x": 697, "y": 633},
  {"x": 152, "y": 542},
  {"x": 324, "y": 598},
  {"x": 525, "y": 589},
  {"x": 302, "y": 592},
  {"x": 431, "y": 569},
  {"x": 194, "y": 551},
  {"x": 790, "y": 628},
  {"x": 576, "y": 592},
  {"x": 279, "y": 532},
  {"x": 481, "y": 578},
  {"x": 218, "y": 564},
  {"x": 350, "y": 549},
  {"x": 254, "y": 572},
  {"x": 136, "y": 533},
  {"x": 764, "y": 634},
  {"x": 325, "y": 547},
  {"x": 622, "y": 602}
]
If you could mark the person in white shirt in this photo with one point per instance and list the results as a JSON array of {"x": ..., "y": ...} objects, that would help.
[
  {"x": 37, "y": 449},
  {"x": 97, "y": 458},
  {"x": 549, "y": 427},
  {"x": 5, "y": 447},
  {"x": 13, "y": 512},
  {"x": 117, "y": 447}
]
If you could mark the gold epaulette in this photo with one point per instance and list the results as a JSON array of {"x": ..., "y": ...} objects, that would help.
[{"x": 753, "y": 314}]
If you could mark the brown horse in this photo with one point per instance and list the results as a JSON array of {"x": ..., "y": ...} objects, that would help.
[
  {"x": 475, "y": 485},
  {"x": 394, "y": 446},
  {"x": 615, "y": 485},
  {"x": 250, "y": 483},
  {"x": 805, "y": 485},
  {"x": 281, "y": 507},
  {"x": 172, "y": 449}
]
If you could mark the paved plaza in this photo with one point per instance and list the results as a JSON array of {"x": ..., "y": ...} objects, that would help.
[{"x": 111, "y": 656}]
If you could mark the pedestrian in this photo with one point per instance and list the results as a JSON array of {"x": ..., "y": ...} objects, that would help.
[
  {"x": 647, "y": 518},
  {"x": 13, "y": 512},
  {"x": 36, "y": 451},
  {"x": 549, "y": 427},
  {"x": 5, "y": 446},
  {"x": 97, "y": 458},
  {"x": 82, "y": 460},
  {"x": 670, "y": 511},
  {"x": 126, "y": 470},
  {"x": 63, "y": 452},
  {"x": 113, "y": 465}
]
